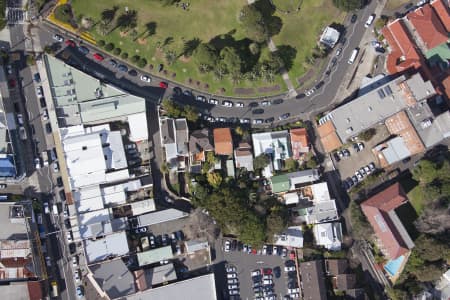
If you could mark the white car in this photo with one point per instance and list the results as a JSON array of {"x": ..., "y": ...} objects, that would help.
[
  {"x": 275, "y": 250},
  {"x": 45, "y": 115},
  {"x": 74, "y": 262},
  {"x": 232, "y": 287},
  {"x": 213, "y": 101},
  {"x": 289, "y": 268},
  {"x": 227, "y": 103},
  {"x": 227, "y": 246},
  {"x": 37, "y": 163},
  {"x": 39, "y": 91},
  {"x": 56, "y": 167},
  {"x": 201, "y": 98},
  {"x": 146, "y": 78},
  {"x": 256, "y": 273},
  {"x": 264, "y": 250},
  {"x": 48, "y": 261},
  {"x": 239, "y": 104},
  {"x": 258, "y": 121},
  {"x": 338, "y": 51},
  {"x": 58, "y": 38},
  {"x": 293, "y": 291},
  {"x": 231, "y": 269},
  {"x": 69, "y": 236},
  {"x": 234, "y": 292},
  {"x": 244, "y": 121},
  {"x": 20, "y": 119},
  {"x": 267, "y": 282},
  {"x": 231, "y": 275},
  {"x": 76, "y": 274}
]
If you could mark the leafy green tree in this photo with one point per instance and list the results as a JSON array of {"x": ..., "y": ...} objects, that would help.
[
  {"x": 109, "y": 47},
  {"x": 191, "y": 113},
  {"x": 291, "y": 164},
  {"x": 348, "y": 5},
  {"x": 231, "y": 59},
  {"x": 171, "y": 108},
  {"x": 108, "y": 15},
  {"x": 117, "y": 51},
  {"x": 311, "y": 162},
  {"x": 214, "y": 179},
  {"x": 425, "y": 171},
  {"x": 142, "y": 63},
  {"x": 64, "y": 13},
  {"x": 135, "y": 58},
  {"x": 276, "y": 222},
  {"x": 253, "y": 22},
  {"x": 124, "y": 55},
  {"x": 101, "y": 43},
  {"x": 360, "y": 226},
  {"x": 190, "y": 46},
  {"x": 206, "y": 57},
  {"x": 261, "y": 161},
  {"x": 252, "y": 230},
  {"x": 368, "y": 134}
]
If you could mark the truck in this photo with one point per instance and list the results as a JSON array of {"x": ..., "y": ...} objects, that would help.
[
  {"x": 53, "y": 289},
  {"x": 45, "y": 157}
]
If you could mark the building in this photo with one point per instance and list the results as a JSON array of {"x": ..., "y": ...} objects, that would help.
[
  {"x": 292, "y": 181},
  {"x": 394, "y": 240},
  {"x": 174, "y": 139},
  {"x": 299, "y": 143},
  {"x": 371, "y": 109},
  {"x": 441, "y": 9},
  {"x": 199, "y": 288},
  {"x": 292, "y": 237},
  {"x": 335, "y": 267},
  {"x": 243, "y": 157},
  {"x": 329, "y": 37},
  {"x": 112, "y": 245},
  {"x": 328, "y": 235},
  {"x": 199, "y": 145},
  {"x": 223, "y": 142},
  {"x": 114, "y": 278},
  {"x": 160, "y": 216},
  {"x": 154, "y": 255},
  {"x": 150, "y": 277},
  {"x": 313, "y": 280},
  {"x": 276, "y": 145},
  {"x": 443, "y": 286},
  {"x": 343, "y": 279}
]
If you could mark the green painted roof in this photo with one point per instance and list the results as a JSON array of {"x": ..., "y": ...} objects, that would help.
[
  {"x": 439, "y": 54},
  {"x": 154, "y": 255},
  {"x": 280, "y": 183}
]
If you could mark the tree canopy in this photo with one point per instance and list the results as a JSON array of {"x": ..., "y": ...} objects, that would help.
[
  {"x": 261, "y": 161},
  {"x": 206, "y": 56},
  {"x": 253, "y": 22}
]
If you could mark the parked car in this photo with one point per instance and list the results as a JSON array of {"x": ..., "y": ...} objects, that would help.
[
  {"x": 74, "y": 262},
  {"x": 113, "y": 63},
  {"x": 200, "y": 98},
  {"x": 244, "y": 121},
  {"x": 240, "y": 104},
  {"x": 265, "y": 103},
  {"x": 133, "y": 73},
  {"x": 258, "y": 111},
  {"x": 253, "y": 104},
  {"x": 227, "y": 247},
  {"x": 258, "y": 121},
  {"x": 146, "y": 78},
  {"x": 231, "y": 269},
  {"x": 284, "y": 116},
  {"x": 70, "y": 43},
  {"x": 58, "y": 38},
  {"x": 233, "y": 281},
  {"x": 83, "y": 50},
  {"x": 163, "y": 85},
  {"x": 213, "y": 101},
  {"x": 56, "y": 167},
  {"x": 98, "y": 57},
  {"x": 39, "y": 91},
  {"x": 277, "y": 101},
  {"x": 289, "y": 268},
  {"x": 37, "y": 77},
  {"x": 122, "y": 68},
  {"x": 231, "y": 275},
  {"x": 269, "y": 120},
  {"x": 227, "y": 103},
  {"x": 79, "y": 292},
  {"x": 338, "y": 51},
  {"x": 69, "y": 236}
]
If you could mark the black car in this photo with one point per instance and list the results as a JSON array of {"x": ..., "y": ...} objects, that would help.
[
  {"x": 122, "y": 68},
  {"x": 319, "y": 85},
  {"x": 353, "y": 19},
  {"x": 233, "y": 245},
  {"x": 67, "y": 223},
  {"x": 177, "y": 90},
  {"x": 132, "y": 73},
  {"x": 72, "y": 248},
  {"x": 300, "y": 96},
  {"x": 42, "y": 102},
  {"x": 277, "y": 272},
  {"x": 333, "y": 61},
  {"x": 277, "y": 101},
  {"x": 160, "y": 67},
  {"x": 253, "y": 104},
  {"x": 269, "y": 120},
  {"x": 83, "y": 50},
  {"x": 59, "y": 182},
  {"x": 48, "y": 128},
  {"x": 258, "y": 111},
  {"x": 380, "y": 50},
  {"x": 112, "y": 63},
  {"x": 284, "y": 116}
]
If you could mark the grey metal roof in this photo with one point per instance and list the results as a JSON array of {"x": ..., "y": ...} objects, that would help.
[
  {"x": 154, "y": 276},
  {"x": 161, "y": 216},
  {"x": 114, "y": 278},
  {"x": 167, "y": 127},
  {"x": 200, "y": 140},
  {"x": 396, "y": 150},
  {"x": 375, "y": 106},
  {"x": 197, "y": 288},
  {"x": 313, "y": 280},
  {"x": 182, "y": 136}
]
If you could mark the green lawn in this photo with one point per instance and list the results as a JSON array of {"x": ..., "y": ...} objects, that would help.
[
  {"x": 301, "y": 30},
  {"x": 395, "y": 4},
  {"x": 207, "y": 20}
]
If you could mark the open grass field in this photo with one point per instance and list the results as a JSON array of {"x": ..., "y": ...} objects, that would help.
[
  {"x": 394, "y": 4},
  {"x": 205, "y": 20},
  {"x": 302, "y": 30}
]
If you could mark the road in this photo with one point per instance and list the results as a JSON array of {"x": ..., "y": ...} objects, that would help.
[{"x": 301, "y": 108}]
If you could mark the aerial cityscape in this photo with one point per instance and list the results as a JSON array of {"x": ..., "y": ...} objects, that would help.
[{"x": 225, "y": 149}]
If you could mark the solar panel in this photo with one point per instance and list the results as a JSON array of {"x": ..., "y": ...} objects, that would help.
[
  {"x": 388, "y": 90},
  {"x": 381, "y": 93}
]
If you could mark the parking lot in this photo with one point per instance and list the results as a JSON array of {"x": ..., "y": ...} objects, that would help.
[{"x": 272, "y": 279}]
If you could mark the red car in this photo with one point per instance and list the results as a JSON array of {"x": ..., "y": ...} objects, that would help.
[
  {"x": 70, "y": 43},
  {"x": 12, "y": 83},
  {"x": 267, "y": 271},
  {"x": 163, "y": 85},
  {"x": 98, "y": 57}
]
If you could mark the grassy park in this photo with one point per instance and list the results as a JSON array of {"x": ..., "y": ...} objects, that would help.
[{"x": 168, "y": 34}]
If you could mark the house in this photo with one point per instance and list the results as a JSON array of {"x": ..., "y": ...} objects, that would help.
[
  {"x": 275, "y": 144},
  {"x": 342, "y": 279},
  {"x": 292, "y": 237},
  {"x": 199, "y": 145},
  {"x": 174, "y": 139},
  {"x": 441, "y": 9},
  {"x": 328, "y": 235},
  {"x": 291, "y": 181},
  {"x": 329, "y": 37},
  {"x": 334, "y": 267},
  {"x": 313, "y": 280},
  {"x": 299, "y": 142},
  {"x": 114, "y": 277},
  {"x": 223, "y": 141},
  {"x": 394, "y": 240},
  {"x": 243, "y": 157}
]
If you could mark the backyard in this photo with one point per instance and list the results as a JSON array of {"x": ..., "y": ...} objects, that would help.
[{"x": 163, "y": 29}]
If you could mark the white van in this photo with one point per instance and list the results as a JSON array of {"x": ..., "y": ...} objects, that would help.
[
  {"x": 352, "y": 58},
  {"x": 55, "y": 209},
  {"x": 369, "y": 20}
]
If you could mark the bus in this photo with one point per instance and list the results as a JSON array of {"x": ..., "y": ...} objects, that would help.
[
  {"x": 352, "y": 58},
  {"x": 53, "y": 289}
]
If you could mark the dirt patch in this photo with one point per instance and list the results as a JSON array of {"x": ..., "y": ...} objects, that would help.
[
  {"x": 267, "y": 89},
  {"x": 244, "y": 91},
  {"x": 142, "y": 41},
  {"x": 123, "y": 33},
  {"x": 184, "y": 59},
  {"x": 305, "y": 77}
]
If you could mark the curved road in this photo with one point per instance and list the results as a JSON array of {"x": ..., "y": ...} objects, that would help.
[{"x": 299, "y": 108}]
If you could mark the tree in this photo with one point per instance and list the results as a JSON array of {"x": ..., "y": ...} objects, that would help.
[
  {"x": 191, "y": 113},
  {"x": 435, "y": 218},
  {"x": 206, "y": 56},
  {"x": 108, "y": 15},
  {"x": 127, "y": 20},
  {"x": 170, "y": 57},
  {"x": 231, "y": 60},
  {"x": 348, "y": 5},
  {"x": 368, "y": 134},
  {"x": 275, "y": 223},
  {"x": 124, "y": 55},
  {"x": 261, "y": 161},
  {"x": 361, "y": 228},
  {"x": 253, "y": 22},
  {"x": 117, "y": 51},
  {"x": 214, "y": 179},
  {"x": 135, "y": 58},
  {"x": 142, "y": 63},
  {"x": 291, "y": 164},
  {"x": 254, "y": 48},
  {"x": 425, "y": 171},
  {"x": 171, "y": 108},
  {"x": 311, "y": 162},
  {"x": 252, "y": 230},
  {"x": 109, "y": 47},
  {"x": 63, "y": 13},
  {"x": 101, "y": 43}
]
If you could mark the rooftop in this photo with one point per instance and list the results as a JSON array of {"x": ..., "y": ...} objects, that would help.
[
  {"x": 223, "y": 141},
  {"x": 291, "y": 181},
  {"x": 299, "y": 142},
  {"x": 380, "y": 211},
  {"x": 160, "y": 216},
  {"x": 441, "y": 10},
  {"x": 291, "y": 237},
  {"x": 275, "y": 143},
  {"x": 154, "y": 255},
  {"x": 200, "y": 141},
  {"x": 197, "y": 288},
  {"x": 328, "y": 235},
  {"x": 13, "y": 226},
  {"x": 243, "y": 157},
  {"x": 313, "y": 280},
  {"x": 147, "y": 278},
  {"x": 115, "y": 244},
  {"x": 400, "y": 125},
  {"x": 334, "y": 267},
  {"x": 114, "y": 278},
  {"x": 329, "y": 37},
  {"x": 328, "y": 137},
  {"x": 391, "y": 151}
]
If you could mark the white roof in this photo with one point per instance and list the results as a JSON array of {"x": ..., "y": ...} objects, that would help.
[
  {"x": 291, "y": 237},
  {"x": 142, "y": 207},
  {"x": 92, "y": 217},
  {"x": 138, "y": 127},
  {"x": 320, "y": 192},
  {"x": 291, "y": 198},
  {"x": 114, "y": 194},
  {"x": 161, "y": 216},
  {"x": 117, "y": 175},
  {"x": 275, "y": 143},
  {"x": 330, "y": 36},
  {"x": 115, "y": 244},
  {"x": 194, "y": 245},
  {"x": 115, "y": 152},
  {"x": 328, "y": 235}
]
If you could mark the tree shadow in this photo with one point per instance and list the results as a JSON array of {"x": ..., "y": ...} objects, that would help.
[
  {"x": 274, "y": 25},
  {"x": 265, "y": 7},
  {"x": 190, "y": 46},
  {"x": 287, "y": 54},
  {"x": 150, "y": 29}
]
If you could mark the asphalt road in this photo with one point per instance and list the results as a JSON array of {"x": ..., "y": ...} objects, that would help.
[{"x": 298, "y": 108}]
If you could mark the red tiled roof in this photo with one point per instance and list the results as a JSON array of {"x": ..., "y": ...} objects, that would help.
[
  {"x": 223, "y": 141},
  {"x": 399, "y": 124},
  {"x": 328, "y": 136},
  {"x": 403, "y": 54},
  {"x": 35, "y": 290},
  {"x": 428, "y": 26},
  {"x": 299, "y": 141},
  {"x": 377, "y": 209},
  {"x": 442, "y": 11}
]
